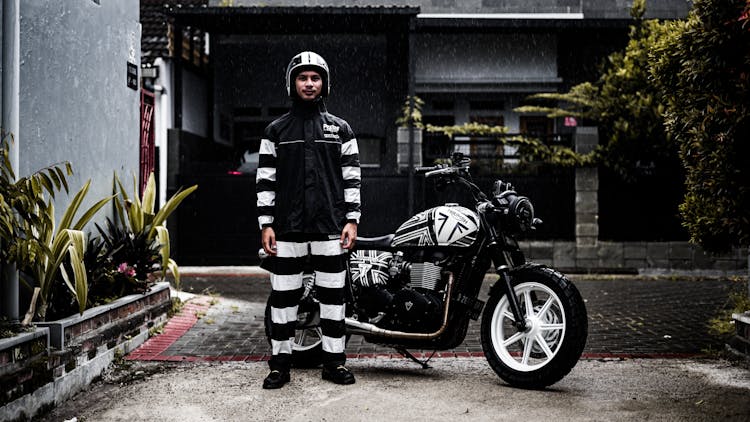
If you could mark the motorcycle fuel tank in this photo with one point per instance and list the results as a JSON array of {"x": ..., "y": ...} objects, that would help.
[{"x": 447, "y": 225}]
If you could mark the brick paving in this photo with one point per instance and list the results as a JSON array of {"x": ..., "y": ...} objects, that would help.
[{"x": 628, "y": 317}]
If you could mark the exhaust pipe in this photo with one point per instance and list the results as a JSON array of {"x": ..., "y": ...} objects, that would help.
[{"x": 359, "y": 327}]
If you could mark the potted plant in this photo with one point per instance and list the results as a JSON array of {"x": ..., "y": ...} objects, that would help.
[{"x": 410, "y": 121}]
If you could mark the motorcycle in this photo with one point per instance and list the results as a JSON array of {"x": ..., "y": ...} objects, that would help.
[{"x": 419, "y": 287}]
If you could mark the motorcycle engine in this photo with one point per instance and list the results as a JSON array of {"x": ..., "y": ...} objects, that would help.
[
  {"x": 397, "y": 294},
  {"x": 415, "y": 311}
]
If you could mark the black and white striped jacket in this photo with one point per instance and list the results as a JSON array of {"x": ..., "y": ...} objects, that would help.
[{"x": 308, "y": 176}]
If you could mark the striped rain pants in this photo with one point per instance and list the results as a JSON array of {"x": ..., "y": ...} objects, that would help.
[{"x": 328, "y": 260}]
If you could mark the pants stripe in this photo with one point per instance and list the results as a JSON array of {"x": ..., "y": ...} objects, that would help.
[
  {"x": 286, "y": 282},
  {"x": 281, "y": 346},
  {"x": 291, "y": 249},
  {"x": 283, "y": 315},
  {"x": 333, "y": 345},
  {"x": 332, "y": 312},
  {"x": 330, "y": 280},
  {"x": 326, "y": 248}
]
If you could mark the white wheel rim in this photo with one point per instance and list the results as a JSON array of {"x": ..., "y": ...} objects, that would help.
[
  {"x": 545, "y": 319},
  {"x": 309, "y": 337},
  {"x": 306, "y": 339}
]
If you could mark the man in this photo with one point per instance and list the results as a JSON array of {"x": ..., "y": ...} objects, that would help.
[{"x": 308, "y": 183}]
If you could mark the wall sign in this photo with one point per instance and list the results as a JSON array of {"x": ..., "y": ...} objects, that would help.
[{"x": 132, "y": 76}]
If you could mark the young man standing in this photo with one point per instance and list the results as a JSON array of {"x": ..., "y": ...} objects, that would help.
[{"x": 307, "y": 186}]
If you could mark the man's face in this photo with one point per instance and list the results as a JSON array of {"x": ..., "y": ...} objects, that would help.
[{"x": 308, "y": 84}]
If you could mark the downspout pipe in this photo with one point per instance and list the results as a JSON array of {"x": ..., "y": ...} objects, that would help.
[
  {"x": 411, "y": 70},
  {"x": 11, "y": 72}
]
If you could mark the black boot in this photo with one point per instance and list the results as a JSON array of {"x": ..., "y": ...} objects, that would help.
[
  {"x": 276, "y": 379},
  {"x": 338, "y": 374}
]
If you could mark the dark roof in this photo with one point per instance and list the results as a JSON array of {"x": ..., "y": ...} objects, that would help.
[
  {"x": 284, "y": 19},
  {"x": 154, "y": 21}
]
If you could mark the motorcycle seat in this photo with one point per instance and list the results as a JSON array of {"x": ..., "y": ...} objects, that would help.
[{"x": 380, "y": 242}]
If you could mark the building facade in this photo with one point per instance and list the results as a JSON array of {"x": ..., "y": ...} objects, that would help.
[{"x": 220, "y": 81}]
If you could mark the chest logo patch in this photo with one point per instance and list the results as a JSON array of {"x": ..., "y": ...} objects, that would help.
[{"x": 331, "y": 131}]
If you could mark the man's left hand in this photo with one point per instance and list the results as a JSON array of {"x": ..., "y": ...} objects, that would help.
[{"x": 349, "y": 235}]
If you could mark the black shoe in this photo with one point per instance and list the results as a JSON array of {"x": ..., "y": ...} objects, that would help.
[
  {"x": 339, "y": 375},
  {"x": 276, "y": 379}
]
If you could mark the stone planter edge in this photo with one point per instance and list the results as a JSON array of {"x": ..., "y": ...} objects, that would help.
[{"x": 57, "y": 328}]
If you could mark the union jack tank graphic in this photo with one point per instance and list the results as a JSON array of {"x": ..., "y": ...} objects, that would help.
[
  {"x": 447, "y": 225},
  {"x": 370, "y": 268}
]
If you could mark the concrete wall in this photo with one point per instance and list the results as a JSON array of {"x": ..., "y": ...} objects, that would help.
[{"x": 75, "y": 105}]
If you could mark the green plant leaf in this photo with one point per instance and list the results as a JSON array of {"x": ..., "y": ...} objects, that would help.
[
  {"x": 46, "y": 270},
  {"x": 55, "y": 178},
  {"x": 67, "y": 218},
  {"x": 62, "y": 177},
  {"x": 47, "y": 185},
  {"x": 163, "y": 238},
  {"x": 149, "y": 195},
  {"x": 76, "y": 250},
  {"x": 89, "y": 214},
  {"x": 175, "y": 272}
]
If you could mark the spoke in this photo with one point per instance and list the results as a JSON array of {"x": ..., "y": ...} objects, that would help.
[
  {"x": 543, "y": 344},
  {"x": 529, "y": 304},
  {"x": 512, "y": 339},
  {"x": 546, "y": 306},
  {"x": 551, "y": 327},
  {"x": 508, "y": 314},
  {"x": 527, "y": 351},
  {"x": 302, "y": 337}
]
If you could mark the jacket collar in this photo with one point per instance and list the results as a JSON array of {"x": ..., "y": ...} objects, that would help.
[{"x": 307, "y": 109}]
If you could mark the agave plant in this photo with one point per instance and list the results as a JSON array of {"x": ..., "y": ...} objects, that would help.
[
  {"x": 147, "y": 225},
  {"x": 27, "y": 229},
  {"x": 65, "y": 242}
]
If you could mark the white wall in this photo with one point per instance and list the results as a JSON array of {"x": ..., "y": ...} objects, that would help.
[
  {"x": 75, "y": 104},
  {"x": 489, "y": 58}
]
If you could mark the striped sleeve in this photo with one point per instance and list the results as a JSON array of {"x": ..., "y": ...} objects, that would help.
[
  {"x": 352, "y": 176},
  {"x": 265, "y": 180}
]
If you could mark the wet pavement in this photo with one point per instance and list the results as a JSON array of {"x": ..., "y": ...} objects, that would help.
[
  {"x": 628, "y": 317},
  {"x": 206, "y": 365}
]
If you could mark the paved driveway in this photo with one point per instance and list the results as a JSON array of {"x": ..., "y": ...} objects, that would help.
[{"x": 628, "y": 316}]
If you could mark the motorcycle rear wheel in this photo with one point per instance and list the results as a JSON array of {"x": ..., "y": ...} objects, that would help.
[
  {"x": 307, "y": 346},
  {"x": 557, "y": 327}
]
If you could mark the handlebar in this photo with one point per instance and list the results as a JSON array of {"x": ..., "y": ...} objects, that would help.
[
  {"x": 441, "y": 171},
  {"x": 419, "y": 170}
]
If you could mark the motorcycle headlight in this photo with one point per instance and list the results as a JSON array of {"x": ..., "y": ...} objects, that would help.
[
  {"x": 517, "y": 211},
  {"x": 521, "y": 211}
]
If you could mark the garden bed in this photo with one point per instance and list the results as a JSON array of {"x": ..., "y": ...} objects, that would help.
[
  {"x": 41, "y": 368},
  {"x": 740, "y": 343}
]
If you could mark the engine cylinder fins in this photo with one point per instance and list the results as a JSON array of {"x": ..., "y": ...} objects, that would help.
[{"x": 425, "y": 275}]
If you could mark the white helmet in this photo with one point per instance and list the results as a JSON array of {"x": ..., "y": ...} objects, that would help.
[{"x": 307, "y": 60}]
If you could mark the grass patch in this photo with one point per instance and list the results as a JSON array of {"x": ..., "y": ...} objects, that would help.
[{"x": 723, "y": 325}]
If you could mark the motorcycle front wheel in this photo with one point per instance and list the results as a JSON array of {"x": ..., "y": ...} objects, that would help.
[{"x": 555, "y": 335}]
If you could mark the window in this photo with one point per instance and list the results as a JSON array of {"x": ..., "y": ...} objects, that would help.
[{"x": 538, "y": 126}]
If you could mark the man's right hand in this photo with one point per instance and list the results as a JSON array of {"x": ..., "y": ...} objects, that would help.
[{"x": 268, "y": 240}]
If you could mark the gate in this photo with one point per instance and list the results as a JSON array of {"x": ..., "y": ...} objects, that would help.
[{"x": 147, "y": 155}]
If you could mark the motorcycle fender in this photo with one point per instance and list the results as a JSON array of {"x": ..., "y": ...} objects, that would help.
[{"x": 499, "y": 289}]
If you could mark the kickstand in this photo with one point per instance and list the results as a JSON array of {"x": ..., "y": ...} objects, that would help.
[{"x": 423, "y": 363}]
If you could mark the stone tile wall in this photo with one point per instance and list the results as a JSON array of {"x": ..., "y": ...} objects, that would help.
[{"x": 634, "y": 257}]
